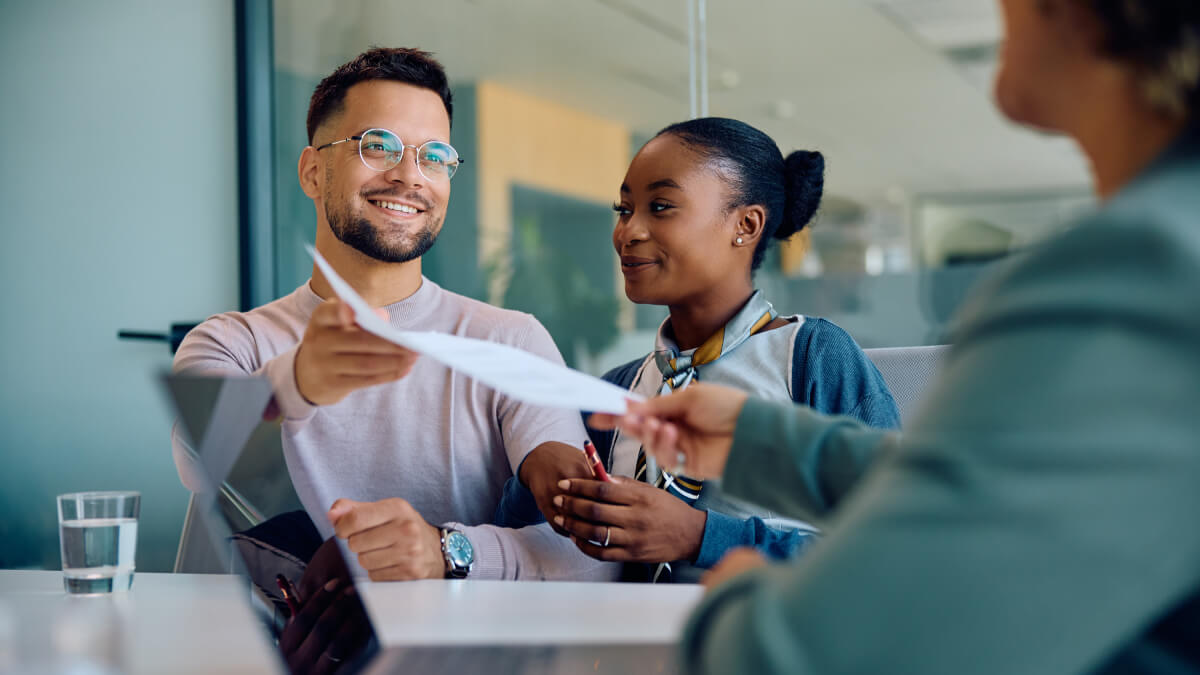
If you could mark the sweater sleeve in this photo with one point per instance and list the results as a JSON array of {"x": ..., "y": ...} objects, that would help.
[
  {"x": 224, "y": 345},
  {"x": 1050, "y": 483},
  {"x": 525, "y": 426},
  {"x": 723, "y": 532},
  {"x": 832, "y": 375},
  {"x": 535, "y": 553}
]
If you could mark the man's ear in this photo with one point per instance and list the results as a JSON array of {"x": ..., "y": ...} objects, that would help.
[
  {"x": 751, "y": 220},
  {"x": 309, "y": 171}
]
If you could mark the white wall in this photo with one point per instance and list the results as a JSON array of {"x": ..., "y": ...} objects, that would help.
[{"x": 118, "y": 209}]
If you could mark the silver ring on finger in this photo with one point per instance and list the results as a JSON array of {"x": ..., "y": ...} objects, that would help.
[{"x": 607, "y": 535}]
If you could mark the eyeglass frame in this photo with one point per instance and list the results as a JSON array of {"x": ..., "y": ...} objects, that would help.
[{"x": 403, "y": 147}]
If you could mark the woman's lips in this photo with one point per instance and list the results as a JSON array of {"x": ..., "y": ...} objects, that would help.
[{"x": 631, "y": 265}]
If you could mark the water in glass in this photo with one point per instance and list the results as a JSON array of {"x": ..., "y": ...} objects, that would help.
[{"x": 98, "y": 554}]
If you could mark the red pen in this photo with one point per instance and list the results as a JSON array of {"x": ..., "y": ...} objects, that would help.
[
  {"x": 597, "y": 465},
  {"x": 289, "y": 593}
]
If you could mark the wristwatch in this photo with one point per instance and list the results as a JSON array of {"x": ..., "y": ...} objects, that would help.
[{"x": 459, "y": 554}]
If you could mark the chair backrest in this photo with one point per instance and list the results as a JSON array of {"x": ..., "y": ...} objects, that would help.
[
  {"x": 197, "y": 552},
  {"x": 257, "y": 487},
  {"x": 908, "y": 372}
]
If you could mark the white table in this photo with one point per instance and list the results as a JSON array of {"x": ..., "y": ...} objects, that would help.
[
  {"x": 169, "y": 623},
  {"x": 456, "y": 613},
  {"x": 183, "y": 623},
  {"x": 527, "y": 627}
]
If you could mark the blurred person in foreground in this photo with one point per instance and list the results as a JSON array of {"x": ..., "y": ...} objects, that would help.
[{"x": 1039, "y": 516}]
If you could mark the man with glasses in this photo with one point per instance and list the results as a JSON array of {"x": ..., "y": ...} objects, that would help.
[{"x": 400, "y": 456}]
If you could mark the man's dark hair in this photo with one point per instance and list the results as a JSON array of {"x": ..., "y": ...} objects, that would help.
[{"x": 410, "y": 66}]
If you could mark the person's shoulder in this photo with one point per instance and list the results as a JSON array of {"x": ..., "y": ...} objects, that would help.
[
  {"x": 255, "y": 334},
  {"x": 1138, "y": 259},
  {"x": 478, "y": 319},
  {"x": 282, "y": 313},
  {"x": 833, "y": 375},
  {"x": 818, "y": 336}
]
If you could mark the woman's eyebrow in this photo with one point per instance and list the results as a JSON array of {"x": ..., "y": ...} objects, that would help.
[{"x": 664, "y": 183}]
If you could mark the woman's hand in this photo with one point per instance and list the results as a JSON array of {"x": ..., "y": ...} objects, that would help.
[
  {"x": 637, "y": 521},
  {"x": 542, "y": 470},
  {"x": 689, "y": 432},
  {"x": 330, "y": 627},
  {"x": 735, "y": 562}
]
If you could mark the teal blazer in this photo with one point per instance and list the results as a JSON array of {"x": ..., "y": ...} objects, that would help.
[{"x": 1040, "y": 515}]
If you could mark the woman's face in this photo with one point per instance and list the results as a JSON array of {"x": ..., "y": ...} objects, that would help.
[
  {"x": 1043, "y": 53},
  {"x": 674, "y": 234}
]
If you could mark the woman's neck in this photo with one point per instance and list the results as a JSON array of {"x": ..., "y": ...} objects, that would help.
[
  {"x": 1121, "y": 137},
  {"x": 694, "y": 322}
]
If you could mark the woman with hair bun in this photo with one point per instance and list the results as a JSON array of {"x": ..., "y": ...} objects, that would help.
[{"x": 700, "y": 205}]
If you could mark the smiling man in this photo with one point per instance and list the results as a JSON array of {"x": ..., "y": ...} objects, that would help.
[{"x": 398, "y": 455}]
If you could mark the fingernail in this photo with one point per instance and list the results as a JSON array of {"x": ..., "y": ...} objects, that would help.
[
  {"x": 558, "y": 500},
  {"x": 558, "y": 520},
  {"x": 564, "y": 484},
  {"x": 332, "y": 584}
]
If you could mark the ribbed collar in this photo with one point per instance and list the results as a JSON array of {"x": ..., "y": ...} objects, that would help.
[
  {"x": 1185, "y": 149},
  {"x": 410, "y": 312}
]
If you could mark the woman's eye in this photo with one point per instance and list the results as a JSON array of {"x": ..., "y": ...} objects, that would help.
[
  {"x": 658, "y": 207},
  {"x": 621, "y": 210}
]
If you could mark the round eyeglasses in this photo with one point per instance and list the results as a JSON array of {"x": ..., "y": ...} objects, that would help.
[{"x": 380, "y": 150}]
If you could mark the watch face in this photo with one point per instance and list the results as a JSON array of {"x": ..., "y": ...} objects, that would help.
[{"x": 458, "y": 548}]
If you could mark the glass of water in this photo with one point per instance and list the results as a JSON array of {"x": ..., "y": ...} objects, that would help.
[{"x": 98, "y": 533}]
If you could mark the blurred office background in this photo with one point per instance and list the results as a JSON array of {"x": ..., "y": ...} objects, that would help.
[{"x": 131, "y": 203}]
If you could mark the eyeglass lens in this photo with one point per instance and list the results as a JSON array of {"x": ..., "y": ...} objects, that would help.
[{"x": 381, "y": 150}]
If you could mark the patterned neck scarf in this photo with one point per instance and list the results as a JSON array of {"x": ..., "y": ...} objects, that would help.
[{"x": 679, "y": 370}]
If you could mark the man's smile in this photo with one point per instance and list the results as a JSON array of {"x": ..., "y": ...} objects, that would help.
[{"x": 396, "y": 207}]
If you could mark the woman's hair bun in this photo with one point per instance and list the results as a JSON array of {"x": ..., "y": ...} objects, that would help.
[{"x": 804, "y": 180}]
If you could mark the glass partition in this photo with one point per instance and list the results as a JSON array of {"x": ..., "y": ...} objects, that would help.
[{"x": 926, "y": 186}]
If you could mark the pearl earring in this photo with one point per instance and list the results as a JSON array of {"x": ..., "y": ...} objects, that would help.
[{"x": 739, "y": 240}]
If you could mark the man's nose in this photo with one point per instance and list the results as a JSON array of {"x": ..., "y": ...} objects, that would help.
[{"x": 406, "y": 171}]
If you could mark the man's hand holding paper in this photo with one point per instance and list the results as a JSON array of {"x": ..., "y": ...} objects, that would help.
[
  {"x": 337, "y": 356},
  {"x": 517, "y": 373}
]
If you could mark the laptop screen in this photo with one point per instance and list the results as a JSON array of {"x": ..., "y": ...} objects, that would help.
[{"x": 249, "y": 521}]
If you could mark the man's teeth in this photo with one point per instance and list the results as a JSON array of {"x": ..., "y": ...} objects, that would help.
[{"x": 393, "y": 206}]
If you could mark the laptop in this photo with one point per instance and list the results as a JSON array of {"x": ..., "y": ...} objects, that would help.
[{"x": 302, "y": 591}]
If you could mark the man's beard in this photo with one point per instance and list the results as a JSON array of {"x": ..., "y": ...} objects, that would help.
[{"x": 358, "y": 233}]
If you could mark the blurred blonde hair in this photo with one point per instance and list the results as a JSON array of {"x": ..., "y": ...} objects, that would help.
[
  {"x": 1160, "y": 39},
  {"x": 1173, "y": 87}
]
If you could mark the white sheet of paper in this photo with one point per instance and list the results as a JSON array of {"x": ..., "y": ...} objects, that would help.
[{"x": 518, "y": 373}]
